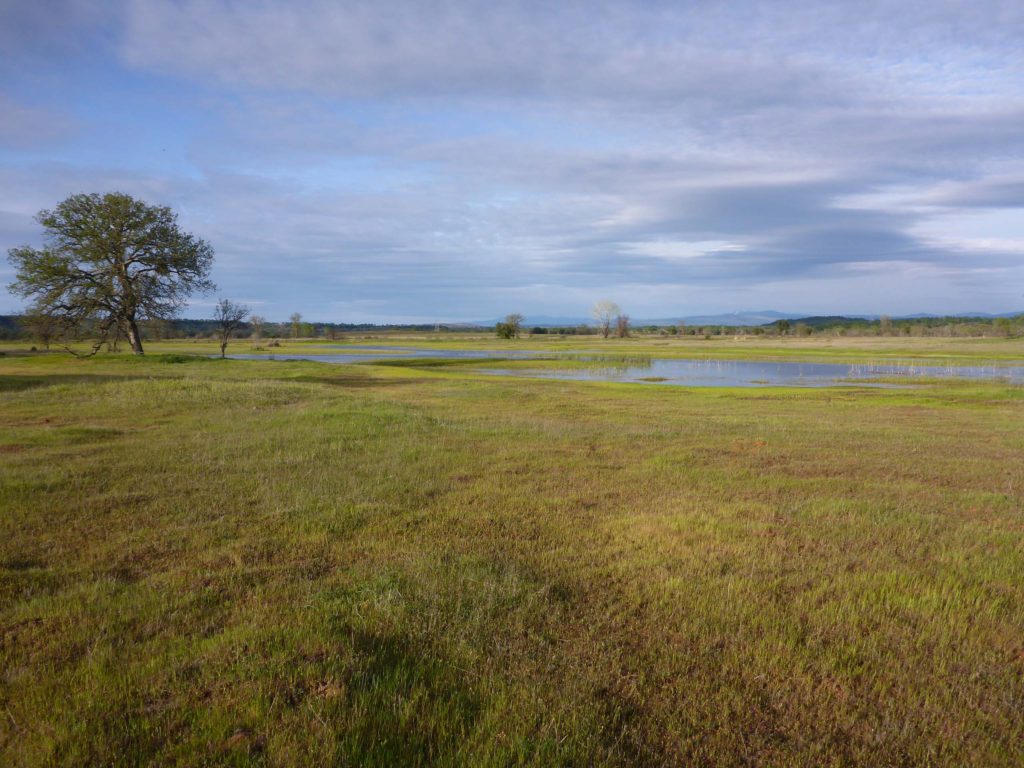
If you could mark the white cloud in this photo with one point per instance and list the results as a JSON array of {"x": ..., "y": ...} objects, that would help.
[{"x": 408, "y": 158}]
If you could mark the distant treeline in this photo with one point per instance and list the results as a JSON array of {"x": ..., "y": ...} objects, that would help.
[
  {"x": 833, "y": 325},
  {"x": 14, "y": 327},
  {"x": 949, "y": 325},
  {"x": 199, "y": 329}
]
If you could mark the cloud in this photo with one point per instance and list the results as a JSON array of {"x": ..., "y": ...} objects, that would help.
[
  {"x": 436, "y": 159},
  {"x": 26, "y": 127}
]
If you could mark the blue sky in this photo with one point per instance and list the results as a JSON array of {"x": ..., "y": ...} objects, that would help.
[{"x": 423, "y": 161}]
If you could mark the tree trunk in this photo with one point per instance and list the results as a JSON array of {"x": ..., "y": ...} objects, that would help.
[
  {"x": 134, "y": 337},
  {"x": 223, "y": 348}
]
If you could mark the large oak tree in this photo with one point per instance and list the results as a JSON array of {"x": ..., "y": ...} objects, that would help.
[{"x": 109, "y": 262}]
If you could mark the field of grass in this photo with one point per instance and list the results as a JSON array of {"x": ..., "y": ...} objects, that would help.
[{"x": 290, "y": 563}]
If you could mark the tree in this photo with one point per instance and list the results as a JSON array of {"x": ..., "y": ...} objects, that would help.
[
  {"x": 108, "y": 262},
  {"x": 44, "y": 328},
  {"x": 604, "y": 312},
  {"x": 296, "y": 320},
  {"x": 256, "y": 324},
  {"x": 504, "y": 330},
  {"x": 158, "y": 328},
  {"x": 783, "y": 326},
  {"x": 514, "y": 322},
  {"x": 229, "y": 317},
  {"x": 622, "y": 326}
]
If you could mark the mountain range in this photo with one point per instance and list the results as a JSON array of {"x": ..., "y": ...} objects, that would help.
[{"x": 748, "y": 318}]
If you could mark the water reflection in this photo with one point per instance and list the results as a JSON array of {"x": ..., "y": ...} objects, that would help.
[
  {"x": 747, "y": 373},
  {"x": 584, "y": 366}
]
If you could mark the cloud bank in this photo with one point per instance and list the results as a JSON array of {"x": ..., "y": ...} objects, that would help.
[{"x": 459, "y": 160}]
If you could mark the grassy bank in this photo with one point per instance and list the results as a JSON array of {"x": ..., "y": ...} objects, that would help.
[{"x": 233, "y": 562}]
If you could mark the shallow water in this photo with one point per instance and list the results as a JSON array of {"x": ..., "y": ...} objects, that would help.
[
  {"x": 370, "y": 354},
  {"x": 747, "y": 373},
  {"x": 690, "y": 373}
]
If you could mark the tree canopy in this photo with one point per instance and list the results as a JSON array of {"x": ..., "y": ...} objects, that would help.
[
  {"x": 510, "y": 328},
  {"x": 605, "y": 312},
  {"x": 108, "y": 262}
]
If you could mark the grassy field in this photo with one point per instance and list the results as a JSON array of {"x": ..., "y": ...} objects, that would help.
[{"x": 287, "y": 563}]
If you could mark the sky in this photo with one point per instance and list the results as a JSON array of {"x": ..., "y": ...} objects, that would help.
[{"x": 456, "y": 161}]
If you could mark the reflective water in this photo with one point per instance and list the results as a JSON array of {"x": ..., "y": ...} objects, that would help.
[
  {"x": 368, "y": 354},
  {"x": 746, "y": 373},
  {"x": 690, "y": 373}
]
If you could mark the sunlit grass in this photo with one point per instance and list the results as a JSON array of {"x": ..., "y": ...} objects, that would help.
[{"x": 230, "y": 562}]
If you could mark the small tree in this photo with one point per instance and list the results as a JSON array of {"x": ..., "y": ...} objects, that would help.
[
  {"x": 109, "y": 262},
  {"x": 783, "y": 326},
  {"x": 43, "y": 328},
  {"x": 256, "y": 326},
  {"x": 604, "y": 312},
  {"x": 296, "y": 321},
  {"x": 622, "y": 326},
  {"x": 514, "y": 322},
  {"x": 228, "y": 316}
]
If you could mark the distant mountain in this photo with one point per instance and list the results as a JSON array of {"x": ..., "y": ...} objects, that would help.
[
  {"x": 751, "y": 318},
  {"x": 762, "y": 317},
  {"x": 547, "y": 321},
  {"x": 734, "y": 318},
  {"x": 929, "y": 316}
]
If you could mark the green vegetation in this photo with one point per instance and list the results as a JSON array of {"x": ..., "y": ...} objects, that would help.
[
  {"x": 109, "y": 262},
  {"x": 250, "y": 562}
]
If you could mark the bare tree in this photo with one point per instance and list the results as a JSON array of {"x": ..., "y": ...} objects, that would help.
[
  {"x": 296, "y": 320},
  {"x": 228, "y": 316},
  {"x": 622, "y": 325},
  {"x": 256, "y": 324},
  {"x": 604, "y": 312}
]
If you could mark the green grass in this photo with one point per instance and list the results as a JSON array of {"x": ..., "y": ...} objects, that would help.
[
  {"x": 285, "y": 563},
  {"x": 820, "y": 348}
]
